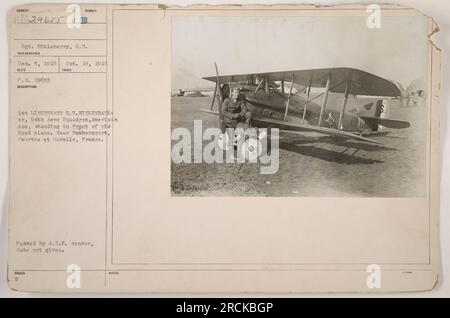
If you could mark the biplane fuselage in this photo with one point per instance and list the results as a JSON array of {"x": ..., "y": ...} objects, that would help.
[{"x": 273, "y": 105}]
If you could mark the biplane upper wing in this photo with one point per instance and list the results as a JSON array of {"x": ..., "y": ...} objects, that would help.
[
  {"x": 285, "y": 125},
  {"x": 361, "y": 82}
]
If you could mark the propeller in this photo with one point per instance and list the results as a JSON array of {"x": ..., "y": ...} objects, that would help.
[
  {"x": 220, "y": 100},
  {"x": 214, "y": 96}
]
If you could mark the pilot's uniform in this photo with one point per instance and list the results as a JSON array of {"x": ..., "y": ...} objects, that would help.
[{"x": 236, "y": 112}]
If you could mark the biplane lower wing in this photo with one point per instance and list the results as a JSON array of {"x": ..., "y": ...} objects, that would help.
[
  {"x": 284, "y": 125},
  {"x": 388, "y": 123},
  {"x": 274, "y": 123}
]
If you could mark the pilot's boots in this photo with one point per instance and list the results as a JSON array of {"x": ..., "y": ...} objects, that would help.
[{"x": 248, "y": 119}]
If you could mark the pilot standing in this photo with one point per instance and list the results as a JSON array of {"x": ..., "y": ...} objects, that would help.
[{"x": 235, "y": 110}]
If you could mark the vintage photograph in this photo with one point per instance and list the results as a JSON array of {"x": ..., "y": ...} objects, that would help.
[{"x": 319, "y": 106}]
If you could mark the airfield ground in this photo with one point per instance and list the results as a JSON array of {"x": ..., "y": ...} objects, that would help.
[{"x": 311, "y": 164}]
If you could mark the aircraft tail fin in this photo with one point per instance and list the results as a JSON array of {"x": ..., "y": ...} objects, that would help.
[
  {"x": 379, "y": 108},
  {"x": 374, "y": 112}
]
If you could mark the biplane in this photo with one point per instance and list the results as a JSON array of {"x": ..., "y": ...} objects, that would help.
[{"x": 275, "y": 103}]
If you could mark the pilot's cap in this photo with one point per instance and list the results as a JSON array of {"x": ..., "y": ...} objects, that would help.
[{"x": 236, "y": 92}]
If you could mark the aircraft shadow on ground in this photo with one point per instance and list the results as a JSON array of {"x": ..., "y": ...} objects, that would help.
[
  {"x": 305, "y": 146},
  {"x": 354, "y": 144},
  {"x": 325, "y": 154}
]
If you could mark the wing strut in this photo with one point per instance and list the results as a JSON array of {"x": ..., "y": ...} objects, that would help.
[
  {"x": 259, "y": 85},
  {"x": 307, "y": 100},
  {"x": 289, "y": 98},
  {"x": 348, "y": 84},
  {"x": 324, "y": 101}
]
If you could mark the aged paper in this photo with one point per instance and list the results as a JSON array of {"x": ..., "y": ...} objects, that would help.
[{"x": 223, "y": 149}]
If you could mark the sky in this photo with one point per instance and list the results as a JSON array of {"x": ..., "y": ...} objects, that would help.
[{"x": 396, "y": 51}]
